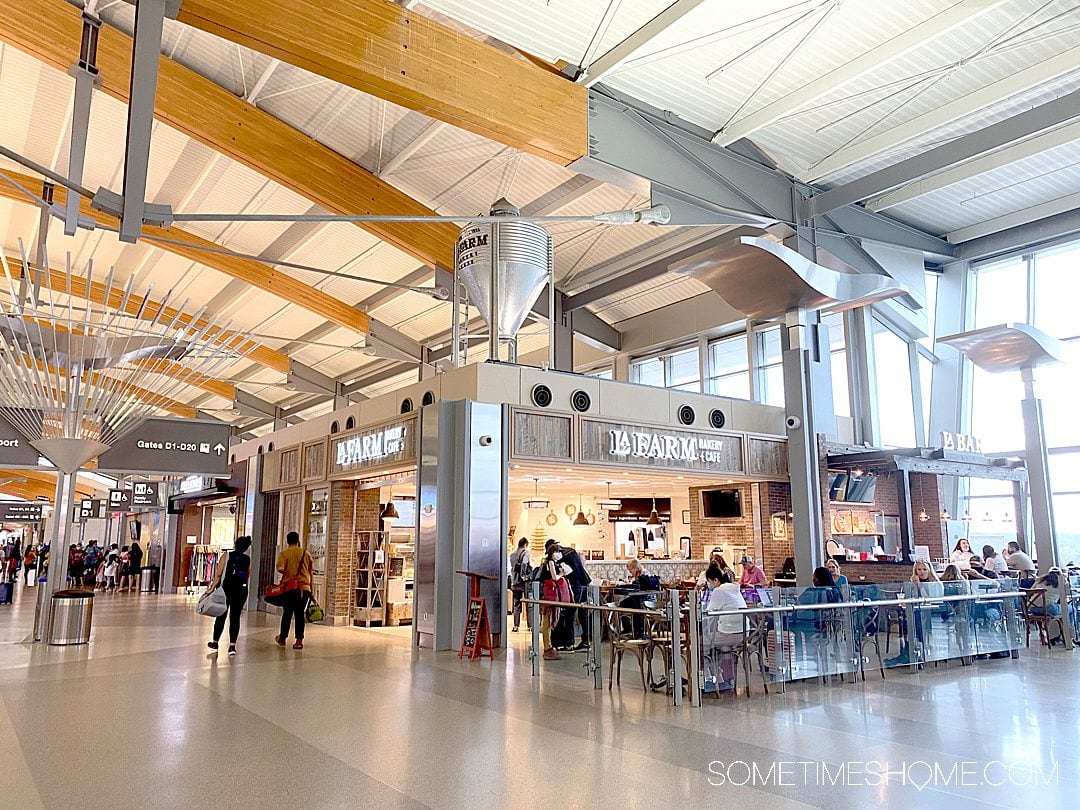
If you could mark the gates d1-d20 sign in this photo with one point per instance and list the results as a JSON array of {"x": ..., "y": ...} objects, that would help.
[{"x": 186, "y": 446}]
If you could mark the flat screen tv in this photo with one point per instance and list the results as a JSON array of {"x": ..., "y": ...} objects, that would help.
[
  {"x": 847, "y": 488},
  {"x": 721, "y": 503}
]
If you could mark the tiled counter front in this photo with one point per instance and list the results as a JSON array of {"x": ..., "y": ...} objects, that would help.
[{"x": 668, "y": 570}]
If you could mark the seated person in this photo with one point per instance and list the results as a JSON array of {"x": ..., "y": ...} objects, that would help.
[
  {"x": 716, "y": 557},
  {"x": 752, "y": 576},
  {"x": 961, "y": 553},
  {"x": 992, "y": 561},
  {"x": 1051, "y": 583},
  {"x": 978, "y": 569},
  {"x": 953, "y": 581},
  {"x": 1018, "y": 561},
  {"x": 823, "y": 591},
  {"x": 924, "y": 584},
  {"x": 634, "y": 569},
  {"x": 834, "y": 568},
  {"x": 725, "y": 631}
]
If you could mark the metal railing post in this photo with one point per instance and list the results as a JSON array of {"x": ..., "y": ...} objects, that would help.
[
  {"x": 676, "y": 675},
  {"x": 534, "y": 620},
  {"x": 694, "y": 683},
  {"x": 595, "y": 656}
]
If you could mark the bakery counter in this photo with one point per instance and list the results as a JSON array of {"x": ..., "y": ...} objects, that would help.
[
  {"x": 669, "y": 571},
  {"x": 875, "y": 572}
]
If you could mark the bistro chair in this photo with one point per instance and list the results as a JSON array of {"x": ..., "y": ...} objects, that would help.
[
  {"x": 658, "y": 630},
  {"x": 866, "y": 630},
  {"x": 753, "y": 644},
  {"x": 621, "y": 636},
  {"x": 1035, "y": 614}
]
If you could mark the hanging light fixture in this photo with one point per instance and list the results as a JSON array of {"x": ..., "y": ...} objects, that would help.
[
  {"x": 580, "y": 520},
  {"x": 609, "y": 504},
  {"x": 654, "y": 516},
  {"x": 536, "y": 502},
  {"x": 945, "y": 514},
  {"x": 923, "y": 516},
  {"x": 857, "y": 472},
  {"x": 966, "y": 517},
  {"x": 389, "y": 512}
]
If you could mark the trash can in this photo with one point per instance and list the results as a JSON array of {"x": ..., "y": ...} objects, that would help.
[
  {"x": 72, "y": 611},
  {"x": 148, "y": 579}
]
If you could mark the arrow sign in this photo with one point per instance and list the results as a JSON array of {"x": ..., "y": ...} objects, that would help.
[{"x": 171, "y": 447}]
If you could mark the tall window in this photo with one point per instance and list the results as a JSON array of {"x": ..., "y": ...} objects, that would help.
[
  {"x": 771, "y": 374},
  {"x": 729, "y": 367},
  {"x": 896, "y": 409},
  {"x": 1041, "y": 289},
  {"x": 677, "y": 369},
  {"x": 602, "y": 373}
]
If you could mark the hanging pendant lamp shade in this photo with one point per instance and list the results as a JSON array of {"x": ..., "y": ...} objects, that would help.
[
  {"x": 536, "y": 502},
  {"x": 609, "y": 504},
  {"x": 580, "y": 520},
  {"x": 389, "y": 512},
  {"x": 654, "y": 516}
]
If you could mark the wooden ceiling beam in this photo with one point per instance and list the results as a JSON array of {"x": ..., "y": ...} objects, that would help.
[
  {"x": 50, "y": 30},
  {"x": 386, "y": 51},
  {"x": 218, "y": 388},
  {"x": 97, "y": 293}
]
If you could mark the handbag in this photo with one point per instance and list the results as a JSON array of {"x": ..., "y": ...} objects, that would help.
[
  {"x": 213, "y": 603},
  {"x": 314, "y": 611},
  {"x": 279, "y": 594}
]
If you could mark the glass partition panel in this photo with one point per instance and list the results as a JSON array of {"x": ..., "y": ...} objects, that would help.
[
  {"x": 997, "y": 623},
  {"x": 821, "y": 636}
]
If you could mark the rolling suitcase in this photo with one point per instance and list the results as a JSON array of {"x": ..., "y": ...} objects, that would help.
[{"x": 6, "y": 589}]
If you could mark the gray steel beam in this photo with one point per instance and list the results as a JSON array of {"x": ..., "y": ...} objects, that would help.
[
  {"x": 867, "y": 225},
  {"x": 629, "y": 144},
  {"x": 1020, "y": 126},
  {"x": 1048, "y": 229},
  {"x": 146, "y": 51}
]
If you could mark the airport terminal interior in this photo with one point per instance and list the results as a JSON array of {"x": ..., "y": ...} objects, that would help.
[{"x": 439, "y": 403}]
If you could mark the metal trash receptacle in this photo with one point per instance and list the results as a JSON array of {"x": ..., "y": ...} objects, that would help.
[
  {"x": 72, "y": 613},
  {"x": 148, "y": 579}
]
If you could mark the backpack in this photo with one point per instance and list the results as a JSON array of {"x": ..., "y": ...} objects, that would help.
[{"x": 522, "y": 571}]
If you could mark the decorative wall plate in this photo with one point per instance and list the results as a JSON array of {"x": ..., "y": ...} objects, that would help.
[
  {"x": 571, "y": 510},
  {"x": 551, "y": 519}
]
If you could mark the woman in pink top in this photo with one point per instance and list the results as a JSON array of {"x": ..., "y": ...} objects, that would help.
[{"x": 752, "y": 576}]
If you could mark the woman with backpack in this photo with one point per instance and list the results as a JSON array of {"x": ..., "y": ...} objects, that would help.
[
  {"x": 553, "y": 588},
  {"x": 233, "y": 577},
  {"x": 520, "y": 571}
]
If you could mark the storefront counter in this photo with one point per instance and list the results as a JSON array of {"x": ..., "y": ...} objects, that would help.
[
  {"x": 875, "y": 572},
  {"x": 669, "y": 571}
]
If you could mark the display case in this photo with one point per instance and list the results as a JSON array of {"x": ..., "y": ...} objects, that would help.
[
  {"x": 369, "y": 589},
  {"x": 315, "y": 537}
]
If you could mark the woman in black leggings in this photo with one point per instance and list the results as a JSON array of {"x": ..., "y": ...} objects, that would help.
[{"x": 235, "y": 583}]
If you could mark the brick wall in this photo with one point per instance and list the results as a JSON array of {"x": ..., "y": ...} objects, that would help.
[
  {"x": 926, "y": 495},
  {"x": 723, "y": 532},
  {"x": 341, "y": 541},
  {"x": 777, "y": 542}
]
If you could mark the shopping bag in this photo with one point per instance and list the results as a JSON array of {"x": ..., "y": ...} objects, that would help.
[
  {"x": 314, "y": 611},
  {"x": 213, "y": 603}
]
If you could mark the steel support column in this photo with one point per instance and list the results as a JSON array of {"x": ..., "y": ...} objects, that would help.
[
  {"x": 146, "y": 51},
  {"x": 60, "y": 536},
  {"x": 1036, "y": 459}
]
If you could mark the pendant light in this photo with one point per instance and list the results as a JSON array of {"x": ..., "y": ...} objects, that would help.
[
  {"x": 580, "y": 520},
  {"x": 389, "y": 512},
  {"x": 609, "y": 504},
  {"x": 654, "y": 516},
  {"x": 945, "y": 514},
  {"x": 536, "y": 502}
]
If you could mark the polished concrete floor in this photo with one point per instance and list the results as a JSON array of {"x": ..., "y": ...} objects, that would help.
[{"x": 146, "y": 716}]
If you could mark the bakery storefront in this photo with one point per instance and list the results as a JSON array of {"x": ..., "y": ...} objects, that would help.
[
  {"x": 615, "y": 490},
  {"x": 351, "y": 496}
]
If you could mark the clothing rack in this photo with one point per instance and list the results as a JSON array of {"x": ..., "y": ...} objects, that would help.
[{"x": 202, "y": 567}]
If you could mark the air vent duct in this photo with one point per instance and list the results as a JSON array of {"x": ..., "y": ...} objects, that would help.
[
  {"x": 542, "y": 396},
  {"x": 717, "y": 418},
  {"x": 686, "y": 415},
  {"x": 580, "y": 401}
]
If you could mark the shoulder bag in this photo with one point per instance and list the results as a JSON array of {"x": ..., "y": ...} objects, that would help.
[{"x": 213, "y": 603}]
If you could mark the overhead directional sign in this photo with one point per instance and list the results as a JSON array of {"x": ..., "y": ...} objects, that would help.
[
  {"x": 145, "y": 493},
  {"x": 20, "y": 512},
  {"x": 171, "y": 446},
  {"x": 15, "y": 450},
  {"x": 119, "y": 500},
  {"x": 93, "y": 508}
]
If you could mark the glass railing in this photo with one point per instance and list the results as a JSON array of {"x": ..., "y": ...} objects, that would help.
[{"x": 783, "y": 635}]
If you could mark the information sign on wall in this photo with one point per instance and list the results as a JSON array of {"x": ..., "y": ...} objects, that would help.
[
  {"x": 145, "y": 493},
  {"x": 162, "y": 445},
  {"x": 615, "y": 443},
  {"x": 15, "y": 450}
]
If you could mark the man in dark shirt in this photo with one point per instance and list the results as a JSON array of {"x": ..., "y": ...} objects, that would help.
[{"x": 578, "y": 579}]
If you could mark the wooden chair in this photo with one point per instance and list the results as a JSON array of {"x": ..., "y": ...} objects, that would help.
[
  {"x": 753, "y": 645},
  {"x": 866, "y": 631},
  {"x": 658, "y": 631},
  {"x": 1035, "y": 613},
  {"x": 621, "y": 636}
]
